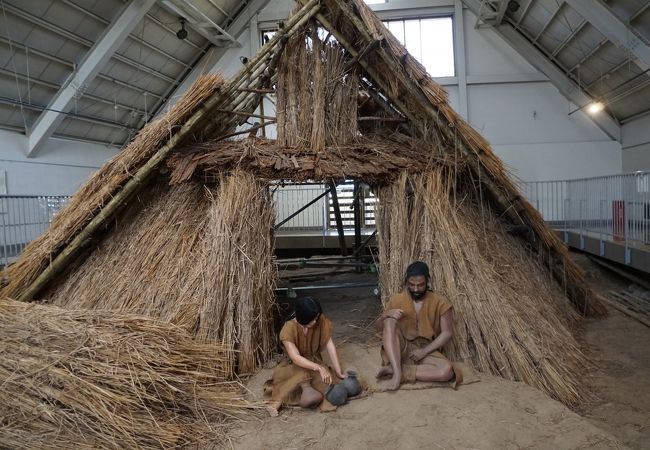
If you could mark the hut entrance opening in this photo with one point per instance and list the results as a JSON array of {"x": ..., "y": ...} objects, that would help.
[{"x": 325, "y": 248}]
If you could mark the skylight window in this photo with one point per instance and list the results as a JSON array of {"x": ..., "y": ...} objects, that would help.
[{"x": 430, "y": 41}]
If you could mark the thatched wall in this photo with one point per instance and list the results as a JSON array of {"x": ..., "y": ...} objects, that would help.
[
  {"x": 511, "y": 318},
  {"x": 316, "y": 93},
  {"x": 195, "y": 256},
  {"x": 101, "y": 380}
]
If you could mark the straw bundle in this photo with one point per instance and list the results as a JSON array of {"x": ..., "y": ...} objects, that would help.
[
  {"x": 97, "y": 380},
  {"x": 104, "y": 184},
  {"x": 511, "y": 318},
  {"x": 316, "y": 93},
  {"x": 233, "y": 278},
  {"x": 191, "y": 256},
  {"x": 139, "y": 264},
  {"x": 372, "y": 158}
]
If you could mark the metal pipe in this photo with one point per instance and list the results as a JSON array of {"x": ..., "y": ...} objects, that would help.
[
  {"x": 364, "y": 243},
  {"x": 326, "y": 286},
  {"x": 318, "y": 258}
]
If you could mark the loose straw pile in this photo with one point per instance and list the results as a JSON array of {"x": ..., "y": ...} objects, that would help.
[
  {"x": 100, "y": 380},
  {"x": 511, "y": 318}
]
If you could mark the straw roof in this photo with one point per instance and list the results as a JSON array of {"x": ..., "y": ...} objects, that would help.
[
  {"x": 510, "y": 318},
  {"x": 412, "y": 133},
  {"x": 212, "y": 108}
]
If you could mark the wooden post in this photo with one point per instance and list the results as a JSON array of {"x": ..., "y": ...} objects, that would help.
[
  {"x": 337, "y": 216},
  {"x": 356, "y": 204}
]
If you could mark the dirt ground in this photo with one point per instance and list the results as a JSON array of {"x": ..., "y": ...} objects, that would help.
[{"x": 489, "y": 414}]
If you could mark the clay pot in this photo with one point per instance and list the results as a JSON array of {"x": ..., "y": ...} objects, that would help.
[
  {"x": 351, "y": 383},
  {"x": 337, "y": 394}
]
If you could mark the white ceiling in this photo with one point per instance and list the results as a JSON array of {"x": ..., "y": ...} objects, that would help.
[{"x": 44, "y": 42}]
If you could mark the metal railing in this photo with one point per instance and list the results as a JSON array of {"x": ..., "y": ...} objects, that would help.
[
  {"x": 289, "y": 198},
  {"x": 23, "y": 218},
  {"x": 320, "y": 215},
  {"x": 615, "y": 207}
]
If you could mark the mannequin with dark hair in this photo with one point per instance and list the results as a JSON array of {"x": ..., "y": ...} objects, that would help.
[
  {"x": 301, "y": 378},
  {"x": 416, "y": 324},
  {"x": 307, "y": 309}
]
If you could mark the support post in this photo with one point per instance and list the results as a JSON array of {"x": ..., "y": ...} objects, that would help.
[
  {"x": 337, "y": 216},
  {"x": 356, "y": 204}
]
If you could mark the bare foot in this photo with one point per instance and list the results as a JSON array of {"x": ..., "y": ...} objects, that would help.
[
  {"x": 273, "y": 408},
  {"x": 384, "y": 372},
  {"x": 395, "y": 381}
]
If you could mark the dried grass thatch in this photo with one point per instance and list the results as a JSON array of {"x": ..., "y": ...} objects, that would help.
[
  {"x": 99, "y": 380},
  {"x": 409, "y": 89},
  {"x": 374, "y": 158},
  {"x": 197, "y": 257},
  {"x": 103, "y": 185},
  {"x": 511, "y": 318},
  {"x": 316, "y": 93}
]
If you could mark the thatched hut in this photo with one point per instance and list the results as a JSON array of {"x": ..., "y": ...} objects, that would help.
[{"x": 178, "y": 225}]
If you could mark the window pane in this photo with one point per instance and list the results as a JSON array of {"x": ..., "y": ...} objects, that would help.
[
  {"x": 397, "y": 28},
  {"x": 430, "y": 41}
]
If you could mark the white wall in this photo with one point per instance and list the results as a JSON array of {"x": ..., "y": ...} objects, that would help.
[
  {"x": 636, "y": 145},
  {"x": 528, "y": 122},
  {"x": 60, "y": 168}
]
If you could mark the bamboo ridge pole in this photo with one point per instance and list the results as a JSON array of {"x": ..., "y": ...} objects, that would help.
[{"x": 139, "y": 178}]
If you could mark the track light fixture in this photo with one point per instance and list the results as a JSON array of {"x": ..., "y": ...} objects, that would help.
[{"x": 182, "y": 33}]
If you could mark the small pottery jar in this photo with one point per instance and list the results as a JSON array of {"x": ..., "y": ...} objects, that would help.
[
  {"x": 337, "y": 394},
  {"x": 351, "y": 383}
]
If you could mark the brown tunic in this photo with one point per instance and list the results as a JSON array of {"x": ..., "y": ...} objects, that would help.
[
  {"x": 309, "y": 345},
  {"x": 417, "y": 330},
  {"x": 426, "y": 323},
  {"x": 287, "y": 377}
]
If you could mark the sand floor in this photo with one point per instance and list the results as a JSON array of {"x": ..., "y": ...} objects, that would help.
[{"x": 490, "y": 414}]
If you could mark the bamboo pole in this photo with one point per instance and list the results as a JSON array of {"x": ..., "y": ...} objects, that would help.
[
  {"x": 246, "y": 114},
  {"x": 66, "y": 256}
]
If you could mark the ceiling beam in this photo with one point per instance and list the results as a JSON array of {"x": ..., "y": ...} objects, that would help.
[
  {"x": 95, "y": 59},
  {"x": 501, "y": 12},
  {"x": 211, "y": 59},
  {"x": 548, "y": 22},
  {"x": 541, "y": 62},
  {"x": 49, "y": 57},
  {"x": 83, "y": 41},
  {"x": 525, "y": 11},
  {"x": 199, "y": 21},
  {"x": 133, "y": 36},
  {"x": 568, "y": 38},
  {"x": 613, "y": 28}
]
